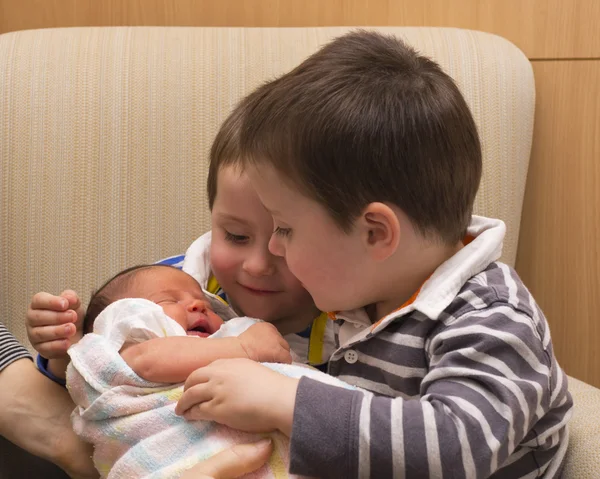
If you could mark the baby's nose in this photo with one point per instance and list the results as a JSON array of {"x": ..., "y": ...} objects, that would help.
[{"x": 197, "y": 306}]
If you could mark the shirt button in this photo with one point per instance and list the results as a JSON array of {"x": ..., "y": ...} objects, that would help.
[
  {"x": 357, "y": 326},
  {"x": 351, "y": 356}
]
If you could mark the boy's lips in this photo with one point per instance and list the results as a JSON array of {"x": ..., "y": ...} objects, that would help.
[{"x": 259, "y": 291}]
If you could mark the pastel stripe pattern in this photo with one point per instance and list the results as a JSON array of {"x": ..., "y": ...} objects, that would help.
[{"x": 132, "y": 423}]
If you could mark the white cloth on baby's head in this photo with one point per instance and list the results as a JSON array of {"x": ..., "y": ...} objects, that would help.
[
  {"x": 136, "y": 320},
  {"x": 131, "y": 422}
]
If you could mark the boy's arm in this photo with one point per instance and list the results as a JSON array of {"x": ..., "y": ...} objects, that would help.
[
  {"x": 172, "y": 359},
  {"x": 490, "y": 380}
]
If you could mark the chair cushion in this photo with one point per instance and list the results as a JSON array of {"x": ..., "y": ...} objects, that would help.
[{"x": 105, "y": 133}]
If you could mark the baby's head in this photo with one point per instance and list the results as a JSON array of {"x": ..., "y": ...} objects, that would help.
[
  {"x": 257, "y": 283},
  {"x": 377, "y": 143},
  {"x": 176, "y": 292}
]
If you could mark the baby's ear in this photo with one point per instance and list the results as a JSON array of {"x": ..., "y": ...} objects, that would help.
[{"x": 380, "y": 230}]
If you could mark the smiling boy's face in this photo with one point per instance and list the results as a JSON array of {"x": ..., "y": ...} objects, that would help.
[
  {"x": 330, "y": 263},
  {"x": 180, "y": 297},
  {"x": 258, "y": 283}
]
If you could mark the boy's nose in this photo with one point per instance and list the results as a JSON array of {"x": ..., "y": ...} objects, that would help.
[
  {"x": 276, "y": 246},
  {"x": 260, "y": 264}
]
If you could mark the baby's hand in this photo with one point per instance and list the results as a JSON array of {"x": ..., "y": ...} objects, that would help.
[
  {"x": 263, "y": 343},
  {"x": 54, "y": 323}
]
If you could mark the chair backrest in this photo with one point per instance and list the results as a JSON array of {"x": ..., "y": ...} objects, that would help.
[{"x": 104, "y": 135}]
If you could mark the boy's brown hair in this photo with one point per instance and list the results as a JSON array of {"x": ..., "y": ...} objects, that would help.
[
  {"x": 225, "y": 151},
  {"x": 367, "y": 119}
]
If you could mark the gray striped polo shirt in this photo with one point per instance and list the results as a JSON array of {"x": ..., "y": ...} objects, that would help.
[{"x": 460, "y": 383}]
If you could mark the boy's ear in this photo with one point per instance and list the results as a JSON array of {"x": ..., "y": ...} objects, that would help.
[{"x": 381, "y": 230}]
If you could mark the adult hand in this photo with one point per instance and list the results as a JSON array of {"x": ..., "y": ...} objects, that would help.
[
  {"x": 35, "y": 415},
  {"x": 233, "y": 462}
]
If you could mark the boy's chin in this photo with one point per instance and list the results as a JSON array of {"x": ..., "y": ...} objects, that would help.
[{"x": 337, "y": 306}]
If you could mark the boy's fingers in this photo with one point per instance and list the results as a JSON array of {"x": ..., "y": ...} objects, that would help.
[
  {"x": 286, "y": 357},
  {"x": 193, "y": 397},
  {"x": 199, "y": 376},
  {"x": 49, "y": 301},
  {"x": 233, "y": 462},
  {"x": 43, "y": 317},
  {"x": 53, "y": 349},
  {"x": 72, "y": 297},
  {"x": 45, "y": 334},
  {"x": 284, "y": 344}
]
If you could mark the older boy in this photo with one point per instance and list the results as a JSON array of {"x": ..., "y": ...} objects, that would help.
[{"x": 369, "y": 161}]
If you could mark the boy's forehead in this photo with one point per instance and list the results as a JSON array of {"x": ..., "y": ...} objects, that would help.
[
  {"x": 236, "y": 199},
  {"x": 275, "y": 191},
  {"x": 232, "y": 180},
  {"x": 231, "y": 173}
]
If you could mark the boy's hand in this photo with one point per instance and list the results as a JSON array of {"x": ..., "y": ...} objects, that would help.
[
  {"x": 241, "y": 394},
  {"x": 263, "y": 343},
  {"x": 54, "y": 323}
]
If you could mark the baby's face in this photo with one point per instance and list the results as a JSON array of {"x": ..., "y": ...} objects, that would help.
[{"x": 180, "y": 297}]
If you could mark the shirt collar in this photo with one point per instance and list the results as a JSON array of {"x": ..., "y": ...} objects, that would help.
[{"x": 483, "y": 247}]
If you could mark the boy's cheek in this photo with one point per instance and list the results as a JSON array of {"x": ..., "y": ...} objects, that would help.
[
  {"x": 223, "y": 260},
  {"x": 297, "y": 268},
  {"x": 288, "y": 277}
]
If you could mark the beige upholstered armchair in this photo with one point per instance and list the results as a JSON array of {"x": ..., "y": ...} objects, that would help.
[{"x": 104, "y": 134}]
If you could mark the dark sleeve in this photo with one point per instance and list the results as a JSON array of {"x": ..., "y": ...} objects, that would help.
[
  {"x": 490, "y": 381},
  {"x": 42, "y": 364},
  {"x": 10, "y": 348}
]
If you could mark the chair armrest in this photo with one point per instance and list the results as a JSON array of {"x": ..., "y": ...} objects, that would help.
[{"x": 583, "y": 455}]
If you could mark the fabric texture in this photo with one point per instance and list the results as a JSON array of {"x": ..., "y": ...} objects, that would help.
[
  {"x": 105, "y": 134},
  {"x": 10, "y": 349},
  {"x": 583, "y": 457},
  {"x": 465, "y": 378},
  {"x": 131, "y": 421}
]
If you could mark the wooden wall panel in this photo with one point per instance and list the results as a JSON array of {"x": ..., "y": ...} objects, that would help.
[
  {"x": 541, "y": 28},
  {"x": 559, "y": 244}
]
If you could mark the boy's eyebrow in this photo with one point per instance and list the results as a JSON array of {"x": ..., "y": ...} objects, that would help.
[
  {"x": 271, "y": 211},
  {"x": 230, "y": 217}
]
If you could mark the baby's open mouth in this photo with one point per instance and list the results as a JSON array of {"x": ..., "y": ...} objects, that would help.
[
  {"x": 201, "y": 328},
  {"x": 199, "y": 331}
]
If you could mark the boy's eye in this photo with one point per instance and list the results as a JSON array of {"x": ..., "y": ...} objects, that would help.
[
  {"x": 235, "y": 239},
  {"x": 283, "y": 232}
]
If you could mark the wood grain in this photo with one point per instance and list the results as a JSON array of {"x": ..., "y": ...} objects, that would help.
[
  {"x": 541, "y": 28},
  {"x": 559, "y": 245}
]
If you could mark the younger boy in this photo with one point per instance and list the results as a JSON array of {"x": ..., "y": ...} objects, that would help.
[{"x": 369, "y": 161}]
